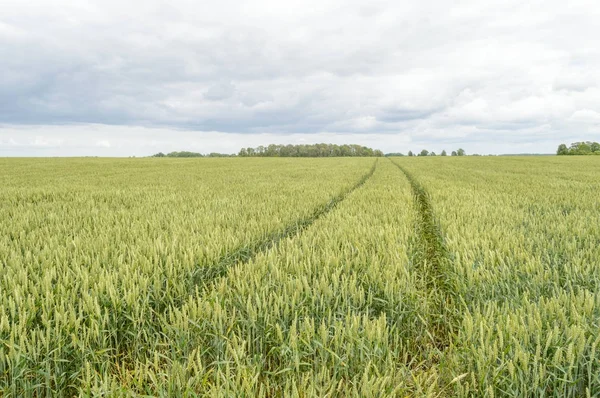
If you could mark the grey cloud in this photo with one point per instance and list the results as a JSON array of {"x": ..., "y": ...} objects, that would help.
[
  {"x": 220, "y": 91},
  {"x": 403, "y": 114},
  {"x": 429, "y": 69}
]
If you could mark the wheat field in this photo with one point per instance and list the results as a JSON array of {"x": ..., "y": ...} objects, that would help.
[{"x": 268, "y": 277}]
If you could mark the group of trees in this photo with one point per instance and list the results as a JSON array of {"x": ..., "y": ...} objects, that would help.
[
  {"x": 425, "y": 152},
  {"x": 186, "y": 154},
  {"x": 579, "y": 148},
  {"x": 309, "y": 150},
  {"x": 322, "y": 150}
]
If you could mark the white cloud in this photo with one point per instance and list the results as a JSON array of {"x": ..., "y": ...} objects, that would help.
[
  {"x": 586, "y": 116},
  {"x": 103, "y": 144},
  {"x": 40, "y": 141}
]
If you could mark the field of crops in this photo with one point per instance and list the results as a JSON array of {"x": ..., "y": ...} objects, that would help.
[
  {"x": 274, "y": 277},
  {"x": 522, "y": 241}
]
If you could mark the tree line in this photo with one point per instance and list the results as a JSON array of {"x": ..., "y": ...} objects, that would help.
[
  {"x": 579, "y": 148},
  {"x": 186, "y": 154},
  {"x": 425, "y": 152},
  {"x": 309, "y": 150},
  {"x": 305, "y": 150}
]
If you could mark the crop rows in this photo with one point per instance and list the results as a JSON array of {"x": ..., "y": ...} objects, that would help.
[
  {"x": 339, "y": 310},
  {"x": 300, "y": 277},
  {"x": 523, "y": 236},
  {"x": 93, "y": 252}
]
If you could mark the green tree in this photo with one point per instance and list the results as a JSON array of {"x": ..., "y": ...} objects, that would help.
[
  {"x": 444, "y": 153},
  {"x": 272, "y": 150},
  {"x": 461, "y": 152},
  {"x": 184, "y": 154},
  {"x": 562, "y": 150},
  {"x": 454, "y": 153},
  {"x": 579, "y": 148},
  {"x": 345, "y": 150},
  {"x": 424, "y": 152},
  {"x": 310, "y": 150},
  {"x": 410, "y": 153}
]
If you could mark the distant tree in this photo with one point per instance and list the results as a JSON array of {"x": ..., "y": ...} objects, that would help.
[
  {"x": 219, "y": 155},
  {"x": 394, "y": 154},
  {"x": 579, "y": 148},
  {"x": 461, "y": 152},
  {"x": 288, "y": 151},
  {"x": 562, "y": 150},
  {"x": 444, "y": 153},
  {"x": 432, "y": 154},
  {"x": 310, "y": 150},
  {"x": 410, "y": 153},
  {"x": 424, "y": 152},
  {"x": 184, "y": 154},
  {"x": 454, "y": 153},
  {"x": 272, "y": 150}
]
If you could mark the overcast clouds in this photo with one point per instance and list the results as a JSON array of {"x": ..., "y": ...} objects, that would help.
[{"x": 137, "y": 77}]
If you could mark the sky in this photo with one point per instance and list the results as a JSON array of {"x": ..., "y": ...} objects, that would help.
[{"x": 132, "y": 78}]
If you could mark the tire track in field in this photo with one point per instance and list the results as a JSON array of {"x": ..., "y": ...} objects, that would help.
[
  {"x": 433, "y": 258},
  {"x": 206, "y": 276}
]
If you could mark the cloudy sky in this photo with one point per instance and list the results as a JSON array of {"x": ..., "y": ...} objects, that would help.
[{"x": 121, "y": 78}]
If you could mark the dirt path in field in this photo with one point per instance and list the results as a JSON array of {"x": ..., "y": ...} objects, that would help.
[{"x": 204, "y": 277}]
